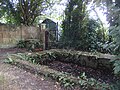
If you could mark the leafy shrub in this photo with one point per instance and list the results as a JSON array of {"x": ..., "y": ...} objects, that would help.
[
  {"x": 41, "y": 59},
  {"x": 21, "y": 44},
  {"x": 37, "y": 58},
  {"x": 9, "y": 60},
  {"x": 116, "y": 64},
  {"x": 29, "y": 44},
  {"x": 116, "y": 85},
  {"x": 90, "y": 83},
  {"x": 115, "y": 33}
]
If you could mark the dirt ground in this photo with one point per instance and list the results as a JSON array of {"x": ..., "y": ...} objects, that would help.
[
  {"x": 14, "y": 78},
  {"x": 75, "y": 70}
]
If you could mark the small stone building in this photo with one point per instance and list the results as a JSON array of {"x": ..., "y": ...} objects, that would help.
[{"x": 52, "y": 28}]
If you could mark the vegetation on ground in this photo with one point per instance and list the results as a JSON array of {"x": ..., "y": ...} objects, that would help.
[
  {"x": 30, "y": 45},
  {"x": 65, "y": 57},
  {"x": 67, "y": 80}
]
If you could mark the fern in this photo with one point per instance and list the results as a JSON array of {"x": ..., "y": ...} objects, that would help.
[{"x": 116, "y": 64}]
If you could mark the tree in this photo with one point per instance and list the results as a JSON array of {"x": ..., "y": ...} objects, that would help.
[
  {"x": 113, "y": 17},
  {"x": 24, "y": 11},
  {"x": 114, "y": 29},
  {"x": 74, "y": 25},
  {"x": 112, "y": 12},
  {"x": 80, "y": 31}
]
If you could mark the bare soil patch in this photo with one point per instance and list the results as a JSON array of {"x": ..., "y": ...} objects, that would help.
[{"x": 75, "y": 70}]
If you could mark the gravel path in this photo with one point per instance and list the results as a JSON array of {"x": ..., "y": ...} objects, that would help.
[{"x": 14, "y": 78}]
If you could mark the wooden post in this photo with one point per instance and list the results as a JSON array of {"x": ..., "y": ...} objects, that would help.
[{"x": 46, "y": 39}]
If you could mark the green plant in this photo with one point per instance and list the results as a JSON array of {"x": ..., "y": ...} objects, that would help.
[
  {"x": 116, "y": 69},
  {"x": 115, "y": 85},
  {"x": 9, "y": 60},
  {"x": 30, "y": 45},
  {"x": 75, "y": 24},
  {"x": 25, "y": 12},
  {"x": 116, "y": 64},
  {"x": 21, "y": 44},
  {"x": 36, "y": 58},
  {"x": 89, "y": 83},
  {"x": 64, "y": 79}
]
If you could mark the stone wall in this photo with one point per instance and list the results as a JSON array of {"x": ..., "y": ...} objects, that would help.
[
  {"x": 10, "y": 35},
  {"x": 87, "y": 59}
]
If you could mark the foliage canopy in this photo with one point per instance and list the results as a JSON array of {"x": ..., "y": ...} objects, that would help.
[
  {"x": 79, "y": 31},
  {"x": 23, "y": 11}
]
